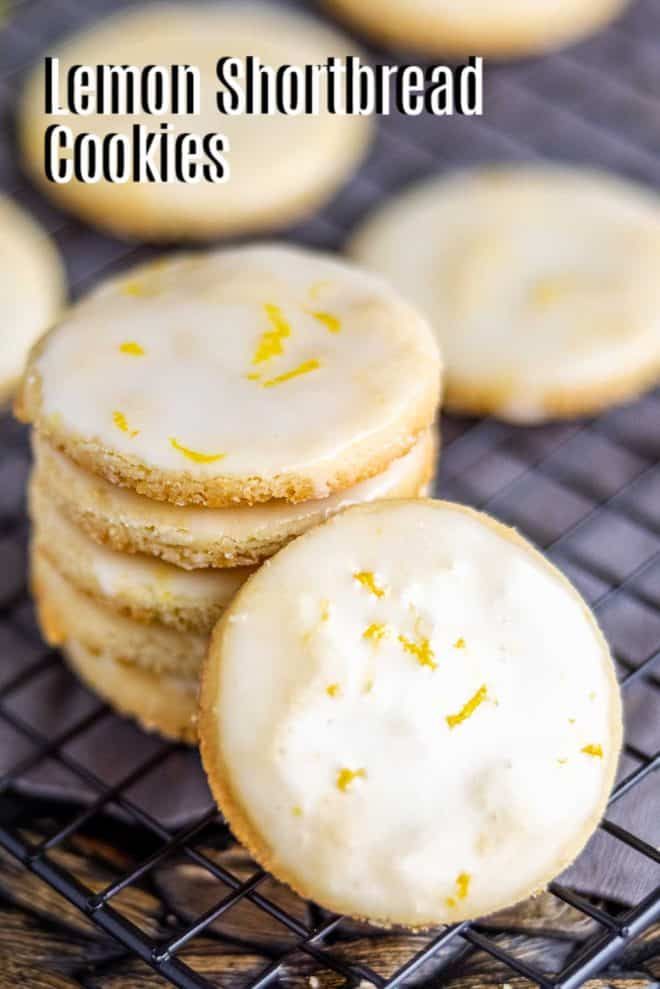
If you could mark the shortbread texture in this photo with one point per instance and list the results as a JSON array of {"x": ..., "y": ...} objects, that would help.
[
  {"x": 163, "y": 702},
  {"x": 135, "y": 585},
  {"x": 193, "y": 538},
  {"x": 282, "y": 167},
  {"x": 32, "y": 289},
  {"x": 236, "y": 376},
  {"x": 67, "y": 614},
  {"x": 504, "y": 29},
  {"x": 526, "y": 274},
  {"x": 398, "y": 731}
]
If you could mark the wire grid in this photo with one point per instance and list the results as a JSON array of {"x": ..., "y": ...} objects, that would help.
[{"x": 597, "y": 103}]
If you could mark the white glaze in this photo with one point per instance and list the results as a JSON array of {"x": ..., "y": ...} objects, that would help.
[
  {"x": 487, "y": 796},
  {"x": 200, "y": 381},
  {"x": 134, "y": 577}
]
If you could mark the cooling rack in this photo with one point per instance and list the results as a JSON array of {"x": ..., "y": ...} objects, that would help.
[{"x": 587, "y": 492}]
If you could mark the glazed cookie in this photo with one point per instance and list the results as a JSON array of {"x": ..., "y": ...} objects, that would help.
[
  {"x": 67, "y": 614},
  {"x": 282, "y": 167},
  {"x": 430, "y": 702},
  {"x": 525, "y": 273},
  {"x": 159, "y": 702},
  {"x": 135, "y": 585},
  {"x": 209, "y": 537},
  {"x": 32, "y": 289},
  {"x": 477, "y": 27},
  {"x": 236, "y": 376}
]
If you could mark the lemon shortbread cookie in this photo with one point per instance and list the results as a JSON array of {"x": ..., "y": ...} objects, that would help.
[
  {"x": 236, "y": 376},
  {"x": 66, "y": 613},
  {"x": 281, "y": 166},
  {"x": 133, "y": 584},
  {"x": 32, "y": 289},
  {"x": 431, "y": 700},
  {"x": 160, "y": 702},
  {"x": 526, "y": 275},
  {"x": 193, "y": 537},
  {"x": 477, "y": 27}
]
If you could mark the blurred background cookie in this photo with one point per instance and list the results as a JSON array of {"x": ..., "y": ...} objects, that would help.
[
  {"x": 282, "y": 167},
  {"x": 499, "y": 28},
  {"x": 541, "y": 283},
  {"x": 32, "y": 289}
]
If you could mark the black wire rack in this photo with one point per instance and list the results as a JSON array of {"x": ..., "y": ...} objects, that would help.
[{"x": 588, "y": 493}]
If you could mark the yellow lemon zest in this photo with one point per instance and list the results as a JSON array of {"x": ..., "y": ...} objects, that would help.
[
  {"x": 421, "y": 650},
  {"x": 195, "y": 455},
  {"x": 332, "y": 690},
  {"x": 571, "y": 721},
  {"x": 367, "y": 579},
  {"x": 134, "y": 287},
  {"x": 346, "y": 776},
  {"x": 325, "y": 610},
  {"x": 562, "y": 762},
  {"x": 317, "y": 288},
  {"x": 368, "y": 686},
  {"x": 331, "y": 323},
  {"x": 469, "y": 708},
  {"x": 120, "y": 422},
  {"x": 462, "y": 889},
  {"x": 595, "y": 750},
  {"x": 546, "y": 292},
  {"x": 375, "y": 632},
  {"x": 253, "y": 377},
  {"x": 460, "y": 643},
  {"x": 296, "y": 811},
  {"x": 132, "y": 348},
  {"x": 303, "y": 368},
  {"x": 139, "y": 288},
  {"x": 271, "y": 342},
  {"x": 553, "y": 289},
  {"x": 463, "y": 885}
]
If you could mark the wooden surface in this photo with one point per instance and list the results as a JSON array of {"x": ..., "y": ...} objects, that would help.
[{"x": 45, "y": 943}]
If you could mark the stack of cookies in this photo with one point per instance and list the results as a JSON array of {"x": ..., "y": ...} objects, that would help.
[{"x": 191, "y": 418}]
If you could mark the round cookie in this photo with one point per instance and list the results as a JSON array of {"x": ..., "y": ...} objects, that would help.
[
  {"x": 32, "y": 289},
  {"x": 138, "y": 586},
  {"x": 310, "y": 375},
  {"x": 525, "y": 274},
  {"x": 282, "y": 167},
  {"x": 160, "y": 702},
  {"x": 477, "y": 27},
  {"x": 191, "y": 537},
  {"x": 430, "y": 701},
  {"x": 67, "y": 614}
]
